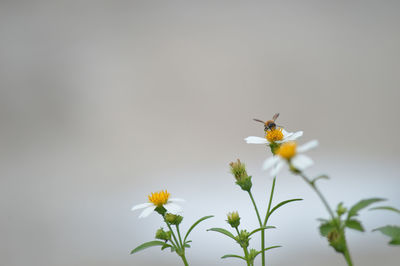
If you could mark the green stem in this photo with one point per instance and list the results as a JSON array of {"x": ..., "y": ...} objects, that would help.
[
  {"x": 255, "y": 207},
  {"x": 184, "y": 260},
  {"x": 314, "y": 187},
  {"x": 246, "y": 253},
  {"x": 346, "y": 254},
  {"x": 270, "y": 201},
  {"x": 179, "y": 235},
  {"x": 262, "y": 231},
  {"x": 173, "y": 235}
]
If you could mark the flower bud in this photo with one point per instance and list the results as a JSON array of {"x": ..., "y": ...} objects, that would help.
[
  {"x": 233, "y": 219},
  {"x": 173, "y": 218},
  {"x": 238, "y": 170},
  {"x": 161, "y": 234},
  {"x": 252, "y": 254},
  {"x": 341, "y": 209},
  {"x": 337, "y": 241},
  {"x": 243, "y": 238}
]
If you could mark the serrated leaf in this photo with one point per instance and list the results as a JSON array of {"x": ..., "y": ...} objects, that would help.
[
  {"x": 232, "y": 256},
  {"x": 388, "y": 208},
  {"x": 148, "y": 245},
  {"x": 195, "y": 224},
  {"x": 280, "y": 205},
  {"x": 223, "y": 231},
  {"x": 326, "y": 228},
  {"x": 392, "y": 231},
  {"x": 354, "y": 224},
  {"x": 261, "y": 228},
  {"x": 361, "y": 205}
]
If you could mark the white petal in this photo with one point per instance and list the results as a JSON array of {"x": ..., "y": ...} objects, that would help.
[
  {"x": 176, "y": 200},
  {"x": 295, "y": 136},
  {"x": 286, "y": 134},
  {"x": 141, "y": 206},
  {"x": 275, "y": 170},
  {"x": 302, "y": 162},
  {"x": 172, "y": 208},
  {"x": 307, "y": 146},
  {"x": 256, "y": 140},
  {"x": 271, "y": 161},
  {"x": 146, "y": 212}
]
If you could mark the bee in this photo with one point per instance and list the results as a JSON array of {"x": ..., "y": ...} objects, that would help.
[{"x": 270, "y": 124}]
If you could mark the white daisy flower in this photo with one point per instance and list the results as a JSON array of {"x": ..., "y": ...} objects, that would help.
[
  {"x": 158, "y": 199},
  {"x": 289, "y": 152},
  {"x": 278, "y": 135}
]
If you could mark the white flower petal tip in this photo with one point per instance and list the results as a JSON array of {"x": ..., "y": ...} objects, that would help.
[
  {"x": 271, "y": 161},
  {"x": 176, "y": 200},
  {"x": 308, "y": 146},
  {"x": 302, "y": 162},
  {"x": 256, "y": 140},
  {"x": 141, "y": 206},
  {"x": 173, "y": 208},
  {"x": 146, "y": 212},
  {"x": 277, "y": 168}
]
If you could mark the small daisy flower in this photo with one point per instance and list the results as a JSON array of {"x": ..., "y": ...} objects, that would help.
[
  {"x": 158, "y": 200},
  {"x": 278, "y": 135},
  {"x": 289, "y": 152}
]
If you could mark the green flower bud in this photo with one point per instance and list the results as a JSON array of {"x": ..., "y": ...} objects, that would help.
[
  {"x": 341, "y": 209},
  {"x": 173, "y": 218},
  {"x": 243, "y": 238},
  {"x": 252, "y": 254},
  {"x": 233, "y": 219},
  {"x": 238, "y": 170},
  {"x": 161, "y": 234},
  {"x": 337, "y": 241}
]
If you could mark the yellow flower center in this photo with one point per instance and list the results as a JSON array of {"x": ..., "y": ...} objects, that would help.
[
  {"x": 287, "y": 150},
  {"x": 274, "y": 135},
  {"x": 159, "y": 198}
]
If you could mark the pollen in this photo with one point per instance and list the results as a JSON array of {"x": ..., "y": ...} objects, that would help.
[
  {"x": 159, "y": 198},
  {"x": 274, "y": 135},
  {"x": 287, "y": 150}
]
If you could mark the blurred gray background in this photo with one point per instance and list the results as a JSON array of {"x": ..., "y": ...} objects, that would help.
[{"x": 103, "y": 102}]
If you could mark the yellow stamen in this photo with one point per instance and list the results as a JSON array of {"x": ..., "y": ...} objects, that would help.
[
  {"x": 274, "y": 135},
  {"x": 287, "y": 150},
  {"x": 159, "y": 198}
]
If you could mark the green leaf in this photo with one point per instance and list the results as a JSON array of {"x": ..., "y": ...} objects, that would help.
[
  {"x": 261, "y": 228},
  {"x": 186, "y": 245},
  {"x": 232, "y": 256},
  {"x": 148, "y": 245},
  {"x": 361, "y": 205},
  {"x": 319, "y": 177},
  {"x": 354, "y": 224},
  {"x": 195, "y": 224},
  {"x": 223, "y": 231},
  {"x": 280, "y": 205},
  {"x": 165, "y": 246},
  {"x": 388, "y": 208},
  {"x": 265, "y": 249},
  {"x": 326, "y": 228},
  {"x": 392, "y": 231}
]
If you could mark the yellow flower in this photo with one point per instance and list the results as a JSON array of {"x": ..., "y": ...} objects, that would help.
[
  {"x": 274, "y": 135},
  {"x": 278, "y": 135},
  {"x": 289, "y": 152},
  {"x": 158, "y": 199}
]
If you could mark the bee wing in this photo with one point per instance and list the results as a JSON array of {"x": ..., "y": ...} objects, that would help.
[
  {"x": 258, "y": 120},
  {"x": 275, "y": 116}
]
